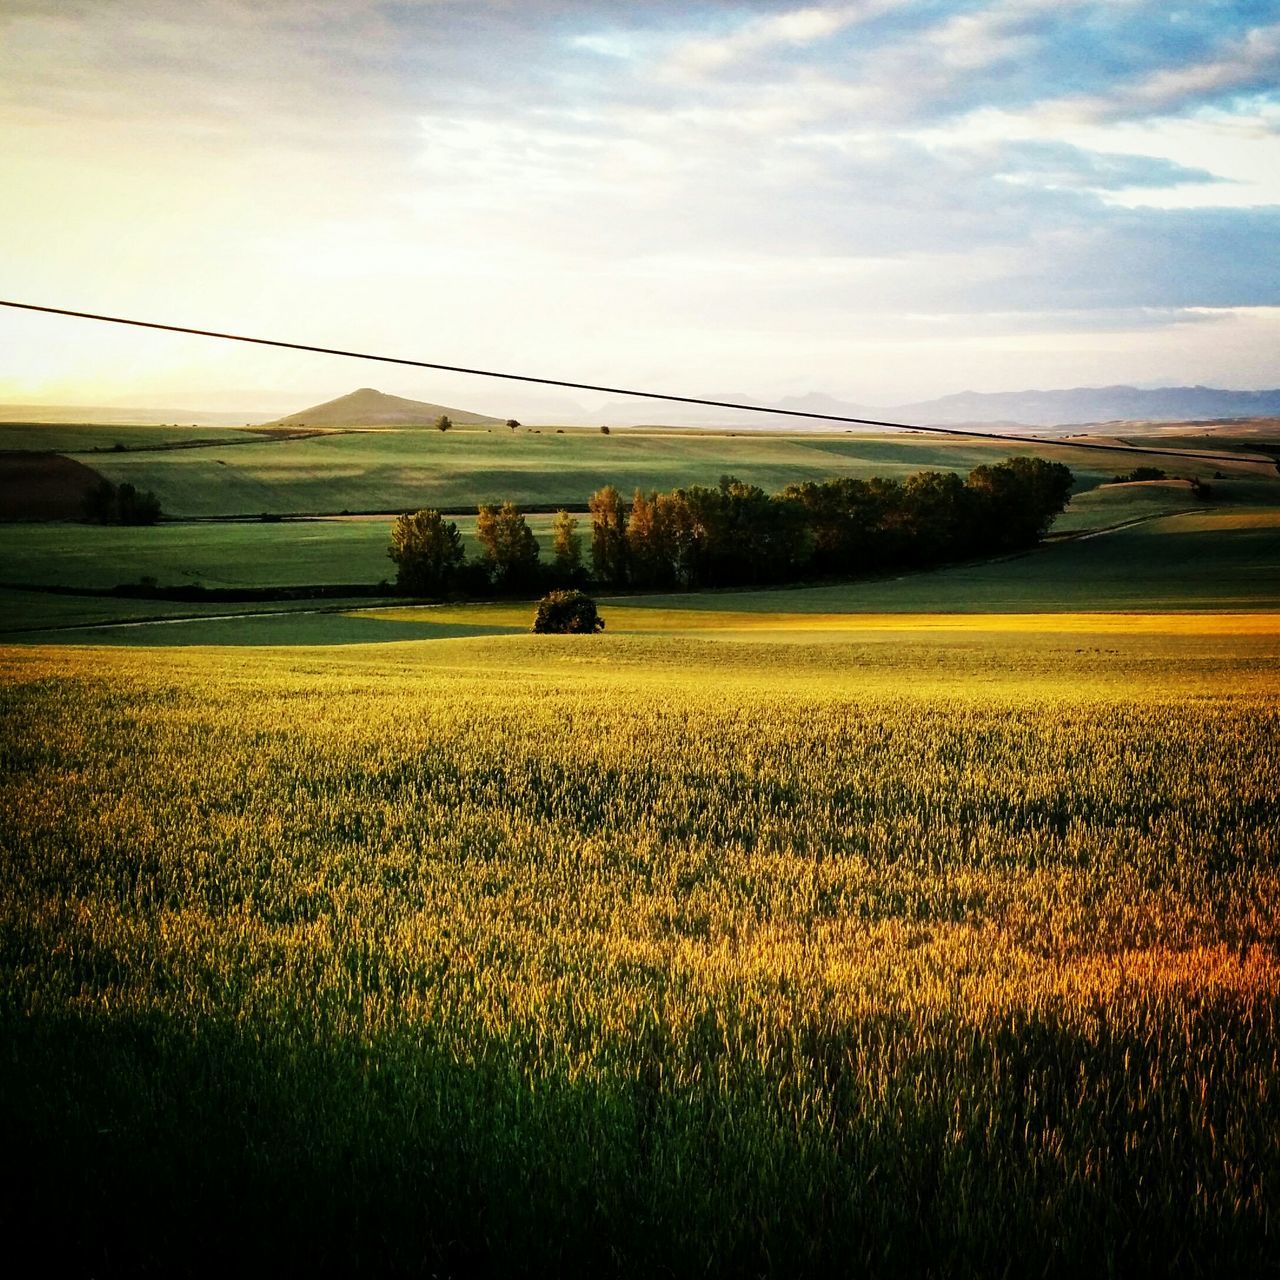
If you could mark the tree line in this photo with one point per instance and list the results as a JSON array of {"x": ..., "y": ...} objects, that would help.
[
  {"x": 107, "y": 503},
  {"x": 736, "y": 534}
]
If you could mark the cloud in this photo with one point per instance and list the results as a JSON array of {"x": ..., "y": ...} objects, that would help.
[
  {"x": 761, "y": 35},
  {"x": 1252, "y": 62},
  {"x": 567, "y": 176}
]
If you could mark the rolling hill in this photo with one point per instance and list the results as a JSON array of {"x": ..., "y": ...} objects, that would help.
[{"x": 369, "y": 408}]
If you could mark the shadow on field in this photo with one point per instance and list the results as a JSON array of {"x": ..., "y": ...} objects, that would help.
[
  {"x": 143, "y": 1144},
  {"x": 264, "y": 629}
]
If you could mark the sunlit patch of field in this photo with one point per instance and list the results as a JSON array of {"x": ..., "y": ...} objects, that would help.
[
  {"x": 874, "y": 955},
  {"x": 631, "y": 616}
]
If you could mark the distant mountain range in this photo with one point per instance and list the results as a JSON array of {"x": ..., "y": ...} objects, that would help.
[
  {"x": 1040, "y": 410},
  {"x": 1077, "y": 406},
  {"x": 370, "y": 408}
]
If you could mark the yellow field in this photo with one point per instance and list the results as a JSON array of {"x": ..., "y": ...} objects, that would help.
[
  {"x": 874, "y": 955},
  {"x": 634, "y": 617}
]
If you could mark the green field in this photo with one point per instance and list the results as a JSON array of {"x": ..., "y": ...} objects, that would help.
[
  {"x": 391, "y": 470},
  {"x": 1223, "y": 559},
  {"x": 92, "y": 438},
  {"x": 231, "y": 554},
  {"x": 222, "y": 554}
]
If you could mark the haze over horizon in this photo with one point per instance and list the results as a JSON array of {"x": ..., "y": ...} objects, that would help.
[{"x": 881, "y": 202}]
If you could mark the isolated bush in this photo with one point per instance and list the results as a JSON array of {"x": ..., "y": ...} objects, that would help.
[
  {"x": 444, "y": 422},
  {"x": 567, "y": 613}
]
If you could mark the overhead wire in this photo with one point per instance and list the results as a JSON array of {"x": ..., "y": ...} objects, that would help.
[{"x": 632, "y": 393}]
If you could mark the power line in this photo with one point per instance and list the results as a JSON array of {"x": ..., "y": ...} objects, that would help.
[{"x": 1039, "y": 441}]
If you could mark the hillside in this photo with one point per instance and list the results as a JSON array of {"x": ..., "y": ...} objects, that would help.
[{"x": 370, "y": 408}]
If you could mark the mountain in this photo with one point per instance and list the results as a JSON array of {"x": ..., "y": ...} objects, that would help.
[
  {"x": 370, "y": 408},
  {"x": 1075, "y": 406},
  {"x": 1091, "y": 404}
]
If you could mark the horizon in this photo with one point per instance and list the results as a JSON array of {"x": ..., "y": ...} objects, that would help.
[
  {"x": 580, "y": 412},
  {"x": 878, "y": 202}
]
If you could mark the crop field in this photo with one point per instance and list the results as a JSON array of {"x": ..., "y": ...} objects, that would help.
[
  {"x": 530, "y": 953},
  {"x": 1221, "y": 555},
  {"x": 222, "y": 554},
  {"x": 1225, "y": 560},
  {"x": 917, "y": 925},
  {"x": 90, "y": 437},
  {"x": 391, "y": 470}
]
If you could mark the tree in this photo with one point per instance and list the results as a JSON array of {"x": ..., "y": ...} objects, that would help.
[
  {"x": 644, "y": 555},
  {"x": 508, "y": 548},
  {"x": 567, "y": 613},
  {"x": 937, "y": 510},
  {"x": 604, "y": 431},
  {"x": 106, "y": 503},
  {"x": 427, "y": 552},
  {"x": 608, "y": 536},
  {"x": 566, "y": 543},
  {"x": 1017, "y": 500},
  {"x": 513, "y": 424},
  {"x": 444, "y": 423}
]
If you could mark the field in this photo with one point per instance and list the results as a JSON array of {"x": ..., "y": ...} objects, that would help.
[
  {"x": 922, "y": 925},
  {"x": 390, "y": 470},
  {"x": 222, "y": 554},
  {"x": 652, "y": 955}
]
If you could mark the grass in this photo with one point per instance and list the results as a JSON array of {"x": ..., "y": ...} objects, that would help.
[
  {"x": 1222, "y": 559},
  {"x": 1216, "y": 562},
  {"x": 1217, "y": 556},
  {"x": 1113, "y": 504},
  {"x": 220, "y": 555},
  {"x": 638, "y": 954},
  {"x": 918, "y": 926},
  {"x": 391, "y": 470},
  {"x": 91, "y": 437}
]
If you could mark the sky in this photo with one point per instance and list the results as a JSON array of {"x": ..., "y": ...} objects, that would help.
[{"x": 880, "y": 201}]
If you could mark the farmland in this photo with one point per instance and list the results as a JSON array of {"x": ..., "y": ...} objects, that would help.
[
  {"x": 888, "y": 956},
  {"x": 389, "y": 469},
  {"x": 923, "y": 924}
]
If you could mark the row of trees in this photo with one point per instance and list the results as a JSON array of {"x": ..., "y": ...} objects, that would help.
[
  {"x": 431, "y": 560},
  {"x": 736, "y": 534},
  {"x": 107, "y": 503}
]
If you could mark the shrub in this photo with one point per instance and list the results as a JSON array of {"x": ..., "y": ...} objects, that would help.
[{"x": 567, "y": 613}]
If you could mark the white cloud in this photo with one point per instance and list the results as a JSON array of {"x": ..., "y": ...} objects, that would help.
[{"x": 800, "y": 27}]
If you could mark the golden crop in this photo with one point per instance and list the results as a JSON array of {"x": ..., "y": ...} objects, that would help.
[{"x": 733, "y": 961}]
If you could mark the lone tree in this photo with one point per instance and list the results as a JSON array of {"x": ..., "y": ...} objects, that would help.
[
  {"x": 567, "y": 613},
  {"x": 427, "y": 551},
  {"x": 508, "y": 548},
  {"x": 444, "y": 423},
  {"x": 512, "y": 423},
  {"x": 566, "y": 542}
]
